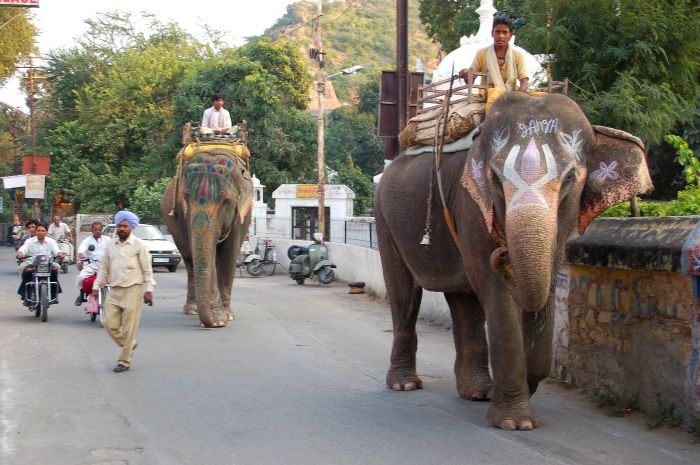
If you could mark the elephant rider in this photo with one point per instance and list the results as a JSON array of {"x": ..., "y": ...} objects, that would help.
[
  {"x": 90, "y": 268},
  {"x": 126, "y": 267},
  {"x": 39, "y": 245},
  {"x": 216, "y": 117},
  {"x": 504, "y": 63}
]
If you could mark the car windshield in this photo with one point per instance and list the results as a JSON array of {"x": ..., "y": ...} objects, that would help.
[{"x": 148, "y": 233}]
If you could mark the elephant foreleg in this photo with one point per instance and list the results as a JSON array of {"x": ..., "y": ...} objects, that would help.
[
  {"x": 190, "y": 307},
  {"x": 226, "y": 255},
  {"x": 472, "y": 361},
  {"x": 510, "y": 407}
]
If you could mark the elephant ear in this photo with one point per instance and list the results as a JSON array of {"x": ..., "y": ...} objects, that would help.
[
  {"x": 475, "y": 180},
  {"x": 617, "y": 170}
]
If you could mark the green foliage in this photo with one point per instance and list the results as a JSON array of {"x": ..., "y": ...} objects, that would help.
[
  {"x": 633, "y": 63},
  {"x": 268, "y": 85},
  {"x": 145, "y": 201},
  {"x": 686, "y": 204},
  {"x": 446, "y": 21},
  {"x": 17, "y": 38},
  {"x": 687, "y": 158},
  {"x": 352, "y": 133},
  {"x": 351, "y": 175}
]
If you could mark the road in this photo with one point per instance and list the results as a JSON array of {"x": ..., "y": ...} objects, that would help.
[{"x": 297, "y": 378}]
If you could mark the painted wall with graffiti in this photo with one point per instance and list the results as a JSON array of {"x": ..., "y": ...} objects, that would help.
[{"x": 633, "y": 333}]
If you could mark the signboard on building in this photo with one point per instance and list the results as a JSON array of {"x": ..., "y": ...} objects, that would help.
[
  {"x": 43, "y": 165},
  {"x": 26, "y": 3},
  {"x": 35, "y": 186},
  {"x": 307, "y": 190}
]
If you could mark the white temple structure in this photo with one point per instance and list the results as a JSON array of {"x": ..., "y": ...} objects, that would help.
[{"x": 463, "y": 56}]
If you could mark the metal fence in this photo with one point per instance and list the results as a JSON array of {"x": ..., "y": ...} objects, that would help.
[{"x": 360, "y": 231}]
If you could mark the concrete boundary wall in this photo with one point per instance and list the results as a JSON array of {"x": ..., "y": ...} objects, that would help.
[{"x": 355, "y": 263}]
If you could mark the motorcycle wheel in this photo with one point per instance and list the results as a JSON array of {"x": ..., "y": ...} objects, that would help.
[
  {"x": 93, "y": 316},
  {"x": 44, "y": 301},
  {"x": 293, "y": 251},
  {"x": 37, "y": 311},
  {"x": 326, "y": 275},
  {"x": 271, "y": 264},
  {"x": 254, "y": 268},
  {"x": 64, "y": 267},
  {"x": 300, "y": 280}
]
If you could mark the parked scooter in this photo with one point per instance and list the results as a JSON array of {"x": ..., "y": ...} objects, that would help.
[
  {"x": 65, "y": 246},
  {"x": 38, "y": 293},
  {"x": 249, "y": 260},
  {"x": 309, "y": 261}
]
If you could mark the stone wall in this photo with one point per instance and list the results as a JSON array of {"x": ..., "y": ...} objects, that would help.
[{"x": 626, "y": 319}]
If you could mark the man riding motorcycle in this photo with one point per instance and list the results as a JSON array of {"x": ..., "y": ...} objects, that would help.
[
  {"x": 61, "y": 233},
  {"x": 89, "y": 260},
  {"x": 39, "y": 245}
]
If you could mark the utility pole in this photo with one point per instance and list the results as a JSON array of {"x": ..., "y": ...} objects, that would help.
[
  {"x": 321, "y": 89},
  {"x": 32, "y": 128},
  {"x": 402, "y": 59}
]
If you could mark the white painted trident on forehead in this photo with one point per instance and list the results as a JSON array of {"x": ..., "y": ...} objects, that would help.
[{"x": 531, "y": 178}]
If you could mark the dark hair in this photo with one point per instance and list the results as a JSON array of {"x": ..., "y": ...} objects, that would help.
[
  {"x": 217, "y": 97},
  {"x": 96, "y": 222},
  {"x": 28, "y": 222},
  {"x": 501, "y": 20},
  {"x": 42, "y": 224}
]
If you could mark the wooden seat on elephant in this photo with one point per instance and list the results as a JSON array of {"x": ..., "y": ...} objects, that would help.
[{"x": 195, "y": 140}]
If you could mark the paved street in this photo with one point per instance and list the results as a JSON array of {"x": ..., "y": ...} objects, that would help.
[{"x": 296, "y": 379}]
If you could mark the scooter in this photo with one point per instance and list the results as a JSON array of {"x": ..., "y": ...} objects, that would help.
[
  {"x": 249, "y": 260},
  {"x": 65, "y": 246},
  {"x": 38, "y": 293},
  {"x": 95, "y": 304},
  {"x": 309, "y": 261}
]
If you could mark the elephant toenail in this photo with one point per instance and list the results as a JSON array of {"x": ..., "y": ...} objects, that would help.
[
  {"x": 525, "y": 425},
  {"x": 508, "y": 425}
]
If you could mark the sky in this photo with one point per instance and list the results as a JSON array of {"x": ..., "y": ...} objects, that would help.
[{"x": 61, "y": 21}]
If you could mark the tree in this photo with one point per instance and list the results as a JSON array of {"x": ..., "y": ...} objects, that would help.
[
  {"x": 17, "y": 38},
  {"x": 349, "y": 174},
  {"x": 446, "y": 21},
  {"x": 633, "y": 63},
  {"x": 267, "y": 84},
  {"x": 352, "y": 133}
]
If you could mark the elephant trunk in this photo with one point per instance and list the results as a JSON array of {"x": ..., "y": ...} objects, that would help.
[
  {"x": 527, "y": 264},
  {"x": 204, "y": 271}
]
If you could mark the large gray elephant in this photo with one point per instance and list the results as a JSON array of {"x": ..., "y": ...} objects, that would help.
[
  {"x": 537, "y": 173},
  {"x": 208, "y": 216}
]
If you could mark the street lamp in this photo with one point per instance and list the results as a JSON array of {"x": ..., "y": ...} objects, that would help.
[{"x": 320, "y": 140}]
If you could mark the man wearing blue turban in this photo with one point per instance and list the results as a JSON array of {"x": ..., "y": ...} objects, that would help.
[{"x": 126, "y": 267}]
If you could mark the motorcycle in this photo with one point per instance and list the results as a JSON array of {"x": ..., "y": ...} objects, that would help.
[
  {"x": 307, "y": 262},
  {"x": 248, "y": 259},
  {"x": 65, "y": 246},
  {"x": 38, "y": 293},
  {"x": 95, "y": 304}
]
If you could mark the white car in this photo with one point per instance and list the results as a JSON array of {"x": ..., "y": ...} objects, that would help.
[{"x": 163, "y": 252}]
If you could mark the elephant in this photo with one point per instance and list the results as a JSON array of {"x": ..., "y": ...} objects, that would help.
[
  {"x": 207, "y": 208},
  {"x": 536, "y": 175}
]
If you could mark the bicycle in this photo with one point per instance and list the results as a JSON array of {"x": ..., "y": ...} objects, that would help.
[{"x": 269, "y": 256}]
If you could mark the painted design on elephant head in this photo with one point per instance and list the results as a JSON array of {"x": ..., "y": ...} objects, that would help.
[
  {"x": 572, "y": 143},
  {"x": 478, "y": 172},
  {"x": 499, "y": 140},
  {"x": 605, "y": 172},
  {"x": 532, "y": 175},
  {"x": 535, "y": 127}
]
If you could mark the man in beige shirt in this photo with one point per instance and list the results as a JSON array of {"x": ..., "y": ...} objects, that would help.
[{"x": 126, "y": 267}]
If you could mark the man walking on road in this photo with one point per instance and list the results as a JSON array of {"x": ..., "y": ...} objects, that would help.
[{"x": 126, "y": 267}]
